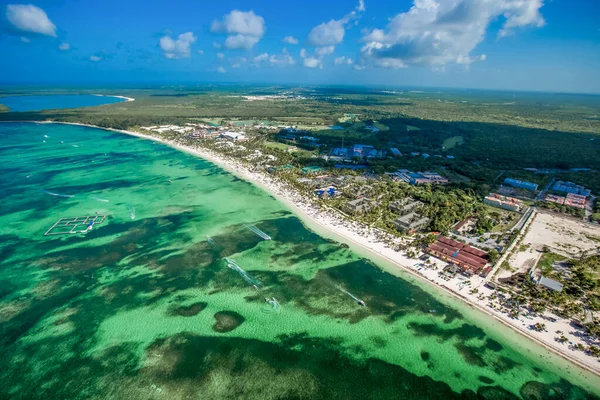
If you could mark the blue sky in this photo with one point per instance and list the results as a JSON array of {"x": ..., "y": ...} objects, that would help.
[{"x": 498, "y": 44}]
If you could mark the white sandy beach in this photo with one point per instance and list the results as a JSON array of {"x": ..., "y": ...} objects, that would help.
[{"x": 366, "y": 239}]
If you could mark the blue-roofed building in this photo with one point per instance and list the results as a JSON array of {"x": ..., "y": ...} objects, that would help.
[
  {"x": 521, "y": 184},
  {"x": 570, "y": 187},
  {"x": 395, "y": 152}
]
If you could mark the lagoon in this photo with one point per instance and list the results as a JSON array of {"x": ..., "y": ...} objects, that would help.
[
  {"x": 144, "y": 306},
  {"x": 51, "y": 102}
]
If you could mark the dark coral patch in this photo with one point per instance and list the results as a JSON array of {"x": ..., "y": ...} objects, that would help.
[
  {"x": 189, "y": 311},
  {"x": 226, "y": 321}
]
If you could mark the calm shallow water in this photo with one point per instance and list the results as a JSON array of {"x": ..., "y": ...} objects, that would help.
[
  {"x": 146, "y": 308},
  {"x": 50, "y": 102}
]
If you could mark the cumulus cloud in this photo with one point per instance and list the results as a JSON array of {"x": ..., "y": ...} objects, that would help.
[
  {"x": 343, "y": 60},
  {"x": 311, "y": 62},
  {"x": 439, "y": 32},
  {"x": 282, "y": 59},
  {"x": 95, "y": 58},
  {"x": 221, "y": 70},
  {"x": 244, "y": 28},
  {"x": 220, "y": 56},
  {"x": 64, "y": 46},
  {"x": 332, "y": 32},
  {"x": 241, "y": 42},
  {"x": 177, "y": 48},
  {"x": 290, "y": 40},
  {"x": 29, "y": 18},
  {"x": 327, "y": 33},
  {"x": 201, "y": 52},
  {"x": 324, "y": 51},
  {"x": 25, "y": 40}
]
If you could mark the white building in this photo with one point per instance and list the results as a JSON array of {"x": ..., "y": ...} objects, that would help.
[{"x": 233, "y": 135}]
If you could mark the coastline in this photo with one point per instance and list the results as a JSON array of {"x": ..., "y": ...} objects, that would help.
[
  {"x": 127, "y": 99},
  {"x": 369, "y": 245}
]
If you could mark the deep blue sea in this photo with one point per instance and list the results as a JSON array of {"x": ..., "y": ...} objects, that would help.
[{"x": 58, "y": 101}]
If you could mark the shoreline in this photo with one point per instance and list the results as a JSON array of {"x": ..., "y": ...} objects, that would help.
[
  {"x": 374, "y": 249},
  {"x": 127, "y": 99}
]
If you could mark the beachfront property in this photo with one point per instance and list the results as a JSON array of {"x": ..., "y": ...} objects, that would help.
[
  {"x": 570, "y": 187},
  {"x": 395, "y": 152},
  {"x": 555, "y": 199},
  {"x": 411, "y": 222},
  {"x": 359, "y": 206},
  {"x": 330, "y": 191},
  {"x": 506, "y": 203},
  {"x": 235, "y": 136},
  {"x": 405, "y": 205},
  {"x": 575, "y": 200},
  {"x": 418, "y": 178},
  {"x": 470, "y": 259},
  {"x": 521, "y": 184},
  {"x": 571, "y": 200},
  {"x": 550, "y": 284}
]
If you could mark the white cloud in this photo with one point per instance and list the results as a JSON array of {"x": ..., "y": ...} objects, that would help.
[
  {"x": 236, "y": 65},
  {"x": 359, "y": 67},
  {"x": 439, "y": 32},
  {"x": 177, "y": 48},
  {"x": 343, "y": 60},
  {"x": 324, "y": 51},
  {"x": 95, "y": 58},
  {"x": 29, "y": 18},
  {"x": 220, "y": 56},
  {"x": 244, "y": 28},
  {"x": 275, "y": 59},
  {"x": 303, "y": 53},
  {"x": 325, "y": 34},
  {"x": 311, "y": 62},
  {"x": 332, "y": 32},
  {"x": 201, "y": 52},
  {"x": 243, "y": 42},
  {"x": 64, "y": 46},
  {"x": 361, "y": 6},
  {"x": 290, "y": 40},
  {"x": 260, "y": 58},
  {"x": 216, "y": 45},
  {"x": 25, "y": 40},
  {"x": 221, "y": 70}
]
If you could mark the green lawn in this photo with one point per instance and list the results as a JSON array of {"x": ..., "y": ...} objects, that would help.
[
  {"x": 547, "y": 260},
  {"x": 453, "y": 142}
]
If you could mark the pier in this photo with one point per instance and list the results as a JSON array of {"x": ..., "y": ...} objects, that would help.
[{"x": 71, "y": 225}]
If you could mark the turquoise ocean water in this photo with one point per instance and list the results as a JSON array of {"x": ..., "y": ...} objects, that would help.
[
  {"x": 49, "y": 102},
  {"x": 144, "y": 306}
]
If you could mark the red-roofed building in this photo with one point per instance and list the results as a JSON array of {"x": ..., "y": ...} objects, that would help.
[{"x": 467, "y": 257}]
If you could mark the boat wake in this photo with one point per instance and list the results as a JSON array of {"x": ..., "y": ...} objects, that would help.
[
  {"x": 213, "y": 244},
  {"x": 273, "y": 306},
  {"x": 359, "y": 301},
  {"x": 58, "y": 194},
  {"x": 99, "y": 199},
  {"x": 131, "y": 212},
  {"x": 260, "y": 233},
  {"x": 246, "y": 276}
]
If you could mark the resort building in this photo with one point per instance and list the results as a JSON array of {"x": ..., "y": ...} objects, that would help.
[
  {"x": 359, "y": 205},
  {"x": 405, "y": 205},
  {"x": 521, "y": 184},
  {"x": 235, "y": 136},
  {"x": 506, "y": 203},
  {"x": 418, "y": 178},
  {"x": 550, "y": 284},
  {"x": 575, "y": 200},
  {"x": 470, "y": 259},
  {"x": 411, "y": 222},
  {"x": 555, "y": 199},
  {"x": 570, "y": 187},
  {"x": 395, "y": 152}
]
